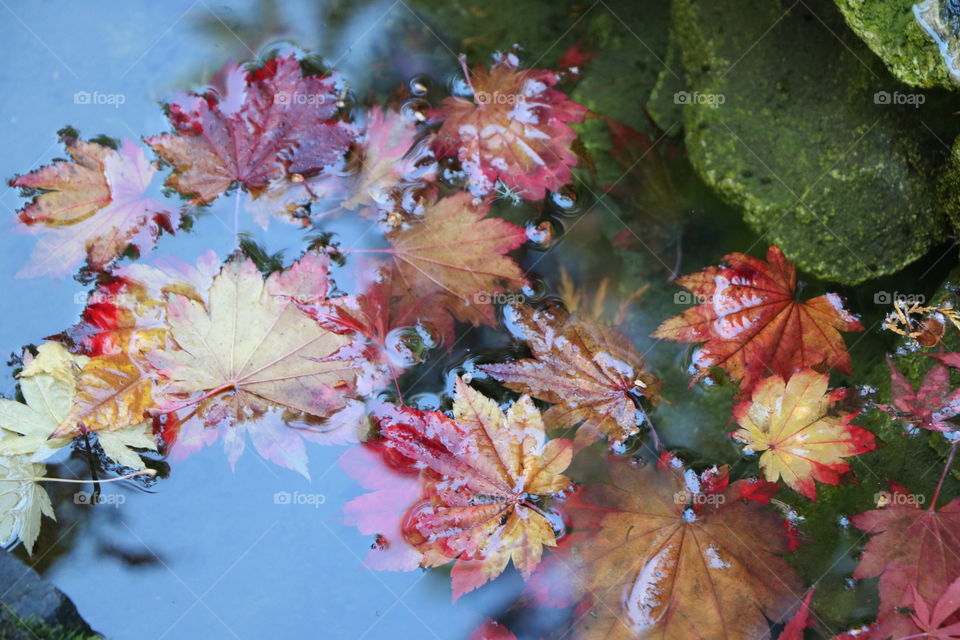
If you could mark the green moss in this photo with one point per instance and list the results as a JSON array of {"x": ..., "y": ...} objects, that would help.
[
  {"x": 36, "y": 629},
  {"x": 891, "y": 31},
  {"x": 784, "y": 125}
]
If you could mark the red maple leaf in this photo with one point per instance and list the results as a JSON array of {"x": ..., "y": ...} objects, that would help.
[
  {"x": 800, "y": 620},
  {"x": 513, "y": 129},
  {"x": 943, "y": 621},
  {"x": 930, "y": 405},
  {"x": 388, "y": 320},
  {"x": 752, "y": 324},
  {"x": 912, "y": 548},
  {"x": 253, "y": 127},
  {"x": 485, "y": 474}
]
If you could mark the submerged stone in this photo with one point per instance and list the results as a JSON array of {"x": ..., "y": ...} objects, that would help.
[
  {"x": 892, "y": 31},
  {"x": 791, "y": 119}
]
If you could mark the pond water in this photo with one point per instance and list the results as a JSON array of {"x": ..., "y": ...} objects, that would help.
[{"x": 210, "y": 552}]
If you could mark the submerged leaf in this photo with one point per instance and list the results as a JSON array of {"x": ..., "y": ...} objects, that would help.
[
  {"x": 456, "y": 251},
  {"x": 653, "y": 565},
  {"x": 912, "y": 548},
  {"x": 591, "y": 372}
]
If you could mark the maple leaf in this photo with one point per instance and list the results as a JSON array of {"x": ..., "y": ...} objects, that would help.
[
  {"x": 794, "y": 628},
  {"x": 23, "y": 501},
  {"x": 791, "y": 425},
  {"x": 251, "y": 350},
  {"x": 126, "y": 314},
  {"x": 514, "y": 130},
  {"x": 396, "y": 158},
  {"x": 48, "y": 384},
  {"x": 92, "y": 208},
  {"x": 456, "y": 251},
  {"x": 942, "y": 622},
  {"x": 912, "y": 548},
  {"x": 654, "y": 563},
  {"x": 590, "y": 372},
  {"x": 388, "y": 321},
  {"x": 394, "y": 488},
  {"x": 931, "y": 405},
  {"x": 485, "y": 473},
  {"x": 253, "y": 128},
  {"x": 112, "y": 393},
  {"x": 753, "y": 326}
]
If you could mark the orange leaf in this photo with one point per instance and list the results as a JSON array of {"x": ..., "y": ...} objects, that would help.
[{"x": 753, "y": 326}]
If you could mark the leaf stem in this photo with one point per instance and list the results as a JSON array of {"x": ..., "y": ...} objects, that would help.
[
  {"x": 943, "y": 475},
  {"x": 192, "y": 401},
  {"x": 145, "y": 472}
]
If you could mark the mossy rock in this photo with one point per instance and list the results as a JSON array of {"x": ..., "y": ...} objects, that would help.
[
  {"x": 784, "y": 123},
  {"x": 891, "y": 30}
]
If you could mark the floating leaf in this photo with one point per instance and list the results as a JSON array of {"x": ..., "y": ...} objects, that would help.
[
  {"x": 794, "y": 427},
  {"x": 252, "y": 350},
  {"x": 485, "y": 473},
  {"x": 253, "y": 127},
  {"x": 92, "y": 208},
  {"x": 753, "y": 325},
  {"x": 514, "y": 130}
]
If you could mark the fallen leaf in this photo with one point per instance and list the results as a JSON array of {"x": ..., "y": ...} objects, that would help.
[
  {"x": 112, "y": 393},
  {"x": 394, "y": 488},
  {"x": 22, "y": 500},
  {"x": 657, "y": 564},
  {"x": 49, "y": 401},
  {"x": 251, "y": 351},
  {"x": 513, "y": 130},
  {"x": 590, "y": 372},
  {"x": 942, "y": 622},
  {"x": 253, "y": 127},
  {"x": 911, "y": 548},
  {"x": 795, "y": 627},
  {"x": 456, "y": 251},
  {"x": 486, "y": 473},
  {"x": 92, "y": 208},
  {"x": 931, "y": 405},
  {"x": 753, "y": 326},
  {"x": 794, "y": 427}
]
